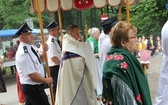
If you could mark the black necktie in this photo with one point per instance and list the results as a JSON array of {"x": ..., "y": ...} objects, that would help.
[
  {"x": 59, "y": 43},
  {"x": 36, "y": 54}
]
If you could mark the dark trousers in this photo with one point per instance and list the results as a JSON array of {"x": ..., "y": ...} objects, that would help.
[
  {"x": 2, "y": 83},
  {"x": 54, "y": 74},
  {"x": 35, "y": 95},
  {"x": 13, "y": 69}
]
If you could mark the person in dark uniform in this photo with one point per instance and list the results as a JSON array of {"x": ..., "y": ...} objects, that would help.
[
  {"x": 30, "y": 69},
  {"x": 54, "y": 52}
]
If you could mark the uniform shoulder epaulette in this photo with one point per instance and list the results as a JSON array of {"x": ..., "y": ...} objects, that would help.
[
  {"x": 52, "y": 40},
  {"x": 25, "y": 49}
]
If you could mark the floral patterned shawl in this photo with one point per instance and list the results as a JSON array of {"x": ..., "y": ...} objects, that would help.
[{"x": 124, "y": 82}]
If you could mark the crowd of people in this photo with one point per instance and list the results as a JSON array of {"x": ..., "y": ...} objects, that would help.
[
  {"x": 152, "y": 44},
  {"x": 103, "y": 68}
]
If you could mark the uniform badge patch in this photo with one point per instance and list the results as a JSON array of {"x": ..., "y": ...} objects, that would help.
[
  {"x": 25, "y": 49},
  {"x": 52, "y": 40}
]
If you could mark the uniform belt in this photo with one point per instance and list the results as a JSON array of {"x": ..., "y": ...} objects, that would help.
[
  {"x": 55, "y": 66},
  {"x": 32, "y": 85}
]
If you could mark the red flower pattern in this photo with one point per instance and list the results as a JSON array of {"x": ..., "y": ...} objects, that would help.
[
  {"x": 109, "y": 57},
  {"x": 118, "y": 57},
  {"x": 138, "y": 97},
  {"x": 124, "y": 65}
]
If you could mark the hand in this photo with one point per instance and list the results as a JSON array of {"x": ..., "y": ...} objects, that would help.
[
  {"x": 45, "y": 47},
  {"x": 145, "y": 65},
  {"x": 1, "y": 61},
  {"x": 49, "y": 80},
  {"x": 110, "y": 103},
  {"x": 153, "y": 47}
]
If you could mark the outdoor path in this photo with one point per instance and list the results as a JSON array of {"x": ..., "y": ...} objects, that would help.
[
  {"x": 153, "y": 74},
  {"x": 10, "y": 98}
]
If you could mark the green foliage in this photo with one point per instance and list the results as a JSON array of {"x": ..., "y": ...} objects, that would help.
[
  {"x": 149, "y": 16},
  {"x": 14, "y": 12}
]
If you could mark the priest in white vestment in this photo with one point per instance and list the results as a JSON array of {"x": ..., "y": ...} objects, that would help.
[{"x": 78, "y": 73}]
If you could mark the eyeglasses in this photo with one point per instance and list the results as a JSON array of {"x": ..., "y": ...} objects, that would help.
[{"x": 132, "y": 37}]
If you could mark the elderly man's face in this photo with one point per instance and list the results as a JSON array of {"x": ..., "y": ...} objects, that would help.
[{"x": 29, "y": 39}]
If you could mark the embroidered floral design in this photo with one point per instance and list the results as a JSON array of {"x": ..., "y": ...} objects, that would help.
[
  {"x": 138, "y": 97},
  {"x": 114, "y": 56},
  {"x": 118, "y": 57},
  {"x": 124, "y": 65},
  {"x": 109, "y": 57}
]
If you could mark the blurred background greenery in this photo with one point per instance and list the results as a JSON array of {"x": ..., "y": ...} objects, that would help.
[{"x": 149, "y": 16}]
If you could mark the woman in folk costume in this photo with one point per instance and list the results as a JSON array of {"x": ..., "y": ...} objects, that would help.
[
  {"x": 77, "y": 79},
  {"x": 93, "y": 40},
  {"x": 124, "y": 82}
]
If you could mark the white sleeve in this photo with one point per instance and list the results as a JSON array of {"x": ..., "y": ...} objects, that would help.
[{"x": 52, "y": 51}]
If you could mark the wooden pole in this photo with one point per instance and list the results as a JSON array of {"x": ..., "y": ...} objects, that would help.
[
  {"x": 127, "y": 11},
  {"x": 43, "y": 42},
  {"x": 119, "y": 12},
  {"x": 145, "y": 68},
  {"x": 60, "y": 23}
]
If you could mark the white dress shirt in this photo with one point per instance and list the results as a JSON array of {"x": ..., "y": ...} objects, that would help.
[
  {"x": 54, "y": 50},
  {"x": 27, "y": 63},
  {"x": 104, "y": 48}
]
